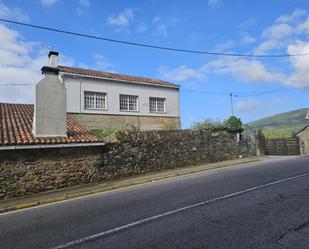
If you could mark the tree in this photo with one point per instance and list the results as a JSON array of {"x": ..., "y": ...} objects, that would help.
[{"x": 233, "y": 124}]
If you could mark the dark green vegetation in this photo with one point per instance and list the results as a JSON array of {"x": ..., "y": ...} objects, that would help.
[
  {"x": 283, "y": 125},
  {"x": 232, "y": 124}
]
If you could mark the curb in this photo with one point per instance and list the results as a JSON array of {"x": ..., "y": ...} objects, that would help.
[{"x": 121, "y": 185}]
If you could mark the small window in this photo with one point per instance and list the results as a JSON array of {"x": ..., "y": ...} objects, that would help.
[
  {"x": 95, "y": 100},
  {"x": 157, "y": 105},
  {"x": 128, "y": 103}
]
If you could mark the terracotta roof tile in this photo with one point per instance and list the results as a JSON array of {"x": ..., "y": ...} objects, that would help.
[
  {"x": 16, "y": 128},
  {"x": 116, "y": 76}
]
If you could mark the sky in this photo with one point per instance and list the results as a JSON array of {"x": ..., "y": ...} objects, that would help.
[{"x": 260, "y": 86}]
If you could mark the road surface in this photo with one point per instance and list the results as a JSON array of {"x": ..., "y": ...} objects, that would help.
[{"x": 258, "y": 205}]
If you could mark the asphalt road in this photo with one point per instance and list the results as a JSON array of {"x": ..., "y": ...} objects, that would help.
[{"x": 259, "y": 205}]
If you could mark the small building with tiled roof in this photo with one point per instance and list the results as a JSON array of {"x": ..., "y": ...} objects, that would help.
[{"x": 16, "y": 125}]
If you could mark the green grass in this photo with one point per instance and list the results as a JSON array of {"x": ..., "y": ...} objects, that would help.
[
  {"x": 103, "y": 133},
  {"x": 278, "y": 133},
  {"x": 285, "y": 122}
]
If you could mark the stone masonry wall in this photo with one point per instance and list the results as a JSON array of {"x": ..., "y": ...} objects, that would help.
[
  {"x": 24, "y": 172},
  {"x": 95, "y": 121}
]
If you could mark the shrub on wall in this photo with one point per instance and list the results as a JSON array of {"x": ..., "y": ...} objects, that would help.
[{"x": 232, "y": 124}]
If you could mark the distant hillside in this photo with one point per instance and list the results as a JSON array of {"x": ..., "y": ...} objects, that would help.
[{"x": 293, "y": 120}]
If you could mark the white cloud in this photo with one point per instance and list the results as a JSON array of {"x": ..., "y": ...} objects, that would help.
[
  {"x": 181, "y": 73},
  {"x": 49, "y": 2},
  {"x": 295, "y": 15},
  {"x": 303, "y": 28},
  {"x": 288, "y": 35},
  {"x": 101, "y": 63},
  {"x": 248, "y": 39},
  {"x": 299, "y": 64},
  {"x": 82, "y": 6},
  {"x": 243, "y": 70},
  {"x": 276, "y": 37},
  {"x": 224, "y": 45},
  {"x": 123, "y": 19},
  {"x": 251, "y": 71},
  {"x": 250, "y": 106},
  {"x": 247, "y": 24},
  {"x": 212, "y": 3},
  {"x": 161, "y": 28},
  {"x": 13, "y": 13},
  {"x": 278, "y": 31},
  {"x": 84, "y": 3},
  {"x": 20, "y": 63},
  {"x": 268, "y": 45},
  {"x": 142, "y": 27}
]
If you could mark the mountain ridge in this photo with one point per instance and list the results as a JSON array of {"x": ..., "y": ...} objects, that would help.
[{"x": 291, "y": 120}]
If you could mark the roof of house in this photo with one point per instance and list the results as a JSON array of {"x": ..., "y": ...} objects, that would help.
[
  {"x": 116, "y": 76},
  {"x": 16, "y": 128}
]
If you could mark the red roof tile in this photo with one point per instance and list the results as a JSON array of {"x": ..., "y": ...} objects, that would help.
[
  {"x": 16, "y": 128},
  {"x": 116, "y": 76}
]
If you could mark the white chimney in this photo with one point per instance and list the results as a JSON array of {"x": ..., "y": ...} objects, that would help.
[
  {"x": 50, "y": 103},
  {"x": 53, "y": 58}
]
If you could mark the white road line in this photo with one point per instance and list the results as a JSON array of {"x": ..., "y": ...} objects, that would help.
[{"x": 171, "y": 212}]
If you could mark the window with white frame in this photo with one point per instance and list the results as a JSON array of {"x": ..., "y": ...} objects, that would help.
[
  {"x": 95, "y": 100},
  {"x": 157, "y": 104},
  {"x": 128, "y": 103}
]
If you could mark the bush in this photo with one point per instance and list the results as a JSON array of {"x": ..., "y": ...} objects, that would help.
[
  {"x": 103, "y": 133},
  {"x": 208, "y": 124},
  {"x": 232, "y": 124}
]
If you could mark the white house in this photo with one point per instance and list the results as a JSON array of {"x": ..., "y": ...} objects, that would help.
[{"x": 109, "y": 100}]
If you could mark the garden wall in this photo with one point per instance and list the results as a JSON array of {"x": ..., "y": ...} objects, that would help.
[{"x": 24, "y": 172}]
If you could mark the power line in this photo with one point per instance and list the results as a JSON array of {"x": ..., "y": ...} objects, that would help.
[
  {"x": 11, "y": 84},
  {"x": 205, "y": 92},
  {"x": 273, "y": 91},
  {"x": 248, "y": 94},
  {"x": 150, "y": 45},
  {"x": 236, "y": 94}
]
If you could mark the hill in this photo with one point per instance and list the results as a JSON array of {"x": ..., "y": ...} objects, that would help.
[{"x": 293, "y": 121}]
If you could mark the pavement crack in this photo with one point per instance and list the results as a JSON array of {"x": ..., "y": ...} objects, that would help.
[
  {"x": 294, "y": 229},
  {"x": 282, "y": 196},
  {"x": 302, "y": 226}
]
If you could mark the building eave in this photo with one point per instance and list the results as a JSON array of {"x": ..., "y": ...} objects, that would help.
[
  {"x": 48, "y": 146},
  {"x": 174, "y": 86}
]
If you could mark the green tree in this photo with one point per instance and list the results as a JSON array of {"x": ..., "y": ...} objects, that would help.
[{"x": 233, "y": 124}]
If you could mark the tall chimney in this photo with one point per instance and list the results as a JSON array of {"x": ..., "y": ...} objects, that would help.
[
  {"x": 53, "y": 58},
  {"x": 50, "y": 103}
]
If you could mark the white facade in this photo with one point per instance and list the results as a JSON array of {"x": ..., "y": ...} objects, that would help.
[{"x": 76, "y": 86}]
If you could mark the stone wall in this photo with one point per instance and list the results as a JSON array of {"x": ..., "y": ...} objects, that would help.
[
  {"x": 101, "y": 121},
  {"x": 24, "y": 172},
  {"x": 303, "y": 136}
]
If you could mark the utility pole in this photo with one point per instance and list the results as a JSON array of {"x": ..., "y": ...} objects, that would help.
[{"x": 232, "y": 105}]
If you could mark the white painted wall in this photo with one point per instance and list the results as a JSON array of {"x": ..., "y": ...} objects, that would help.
[{"x": 76, "y": 87}]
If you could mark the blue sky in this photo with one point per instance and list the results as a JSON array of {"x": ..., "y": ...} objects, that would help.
[{"x": 238, "y": 26}]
